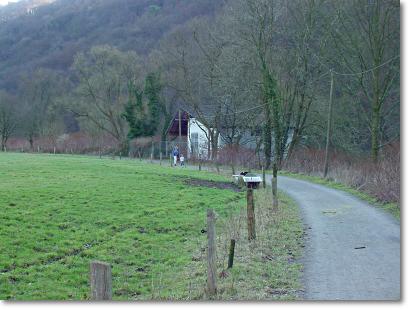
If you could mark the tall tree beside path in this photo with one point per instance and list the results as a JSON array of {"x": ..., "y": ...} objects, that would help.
[
  {"x": 256, "y": 34},
  {"x": 366, "y": 42}
]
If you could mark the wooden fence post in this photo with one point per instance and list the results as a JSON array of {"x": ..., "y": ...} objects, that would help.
[
  {"x": 231, "y": 253},
  {"x": 251, "y": 214},
  {"x": 199, "y": 166},
  {"x": 54, "y": 150},
  {"x": 100, "y": 280},
  {"x": 170, "y": 159},
  {"x": 160, "y": 159},
  {"x": 160, "y": 151},
  {"x": 263, "y": 177},
  {"x": 211, "y": 282}
]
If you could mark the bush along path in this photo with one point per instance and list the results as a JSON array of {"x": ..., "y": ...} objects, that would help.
[{"x": 352, "y": 250}]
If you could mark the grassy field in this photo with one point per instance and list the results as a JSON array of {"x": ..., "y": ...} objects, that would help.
[{"x": 59, "y": 212}]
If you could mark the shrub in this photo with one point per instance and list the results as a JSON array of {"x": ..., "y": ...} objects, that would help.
[{"x": 381, "y": 179}]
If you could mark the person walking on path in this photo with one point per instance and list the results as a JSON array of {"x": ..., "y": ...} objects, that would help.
[
  {"x": 175, "y": 153},
  {"x": 181, "y": 159}
]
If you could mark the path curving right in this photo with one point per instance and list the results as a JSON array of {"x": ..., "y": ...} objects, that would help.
[{"x": 352, "y": 250}]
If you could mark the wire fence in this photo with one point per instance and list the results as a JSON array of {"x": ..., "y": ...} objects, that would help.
[{"x": 148, "y": 149}]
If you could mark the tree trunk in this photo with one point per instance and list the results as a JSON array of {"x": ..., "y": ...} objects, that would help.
[
  {"x": 3, "y": 142},
  {"x": 375, "y": 127},
  {"x": 214, "y": 145},
  {"x": 267, "y": 140},
  {"x": 31, "y": 141},
  {"x": 275, "y": 186},
  {"x": 124, "y": 146},
  {"x": 329, "y": 126}
]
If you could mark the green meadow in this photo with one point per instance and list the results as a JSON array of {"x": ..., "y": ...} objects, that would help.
[{"x": 60, "y": 212}]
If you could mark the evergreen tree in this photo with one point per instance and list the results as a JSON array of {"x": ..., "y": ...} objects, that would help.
[
  {"x": 143, "y": 116},
  {"x": 152, "y": 92}
]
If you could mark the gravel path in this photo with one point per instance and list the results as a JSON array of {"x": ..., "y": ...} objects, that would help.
[{"x": 352, "y": 250}]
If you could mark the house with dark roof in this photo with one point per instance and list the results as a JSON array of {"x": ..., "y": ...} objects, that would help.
[{"x": 189, "y": 134}]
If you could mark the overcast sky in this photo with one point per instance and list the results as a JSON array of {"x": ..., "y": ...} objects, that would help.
[{"x": 4, "y": 2}]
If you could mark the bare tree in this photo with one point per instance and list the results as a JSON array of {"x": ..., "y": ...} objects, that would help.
[
  {"x": 366, "y": 38},
  {"x": 191, "y": 69},
  {"x": 104, "y": 74},
  {"x": 8, "y": 117},
  {"x": 39, "y": 93}
]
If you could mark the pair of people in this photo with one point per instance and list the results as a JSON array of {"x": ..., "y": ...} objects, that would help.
[{"x": 176, "y": 154}]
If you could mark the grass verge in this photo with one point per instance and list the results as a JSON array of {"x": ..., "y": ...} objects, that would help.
[
  {"x": 267, "y": 268},
  {"x": 392, "y": 208}
]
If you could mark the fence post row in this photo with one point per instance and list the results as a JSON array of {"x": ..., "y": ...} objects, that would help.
[{"x": 100, "y": 280}]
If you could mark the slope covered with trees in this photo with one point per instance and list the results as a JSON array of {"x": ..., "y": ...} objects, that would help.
[{"x": 52, "y": 34}]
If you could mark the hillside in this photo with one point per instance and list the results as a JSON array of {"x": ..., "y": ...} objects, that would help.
[{"x": 50, "y": 35}]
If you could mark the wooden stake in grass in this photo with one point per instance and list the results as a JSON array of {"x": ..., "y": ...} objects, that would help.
[
  {"x": 231, "y": 253},
  {"x": 54, "y": 150},
  {"x": 160, "y": 159},
  {"x": 251, "y": 214},
  {"x": 211, "y": 282},
  {"x": 100, "y": 280},
  {"x": 263, "y": 177},
  {"x": 199, "y": 166}
]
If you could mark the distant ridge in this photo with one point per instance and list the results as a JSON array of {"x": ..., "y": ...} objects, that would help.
[{"x": 48, "y": 33}]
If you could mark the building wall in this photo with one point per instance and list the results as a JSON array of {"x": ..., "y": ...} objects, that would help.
[{"x": 197, "y": 148}]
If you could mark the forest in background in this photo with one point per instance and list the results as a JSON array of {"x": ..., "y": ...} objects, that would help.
[{"x": 89, "y": 74}]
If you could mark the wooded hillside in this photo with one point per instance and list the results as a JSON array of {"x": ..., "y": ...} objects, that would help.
[
  {"x": 315, "y": 83},
  {"x": 52, "y": 34}
]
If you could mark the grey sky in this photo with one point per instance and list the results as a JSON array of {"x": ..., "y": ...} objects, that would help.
[{"x": 4, "y": 2}]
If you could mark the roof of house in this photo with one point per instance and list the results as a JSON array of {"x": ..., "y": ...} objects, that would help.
[{"x": 173, "y": 127}]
